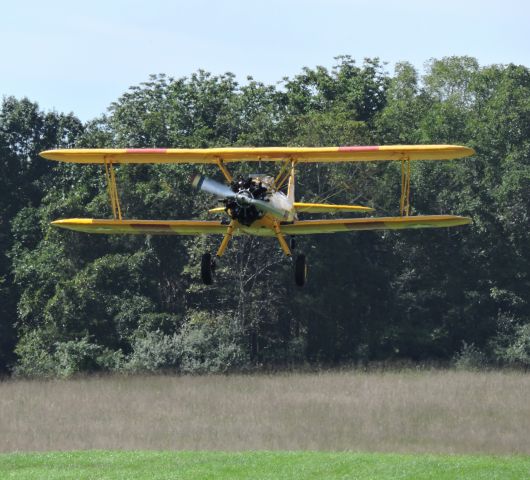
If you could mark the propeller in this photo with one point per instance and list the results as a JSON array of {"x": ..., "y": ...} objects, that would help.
[{"x": 243, "y": 198}]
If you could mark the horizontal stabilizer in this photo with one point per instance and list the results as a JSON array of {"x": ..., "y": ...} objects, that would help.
[
  {"x": 217, "y": 210},
  {"x": 148, "y": 227},
  {"x": 314, "y": 208},
  {"x": 329, "y": 208}
]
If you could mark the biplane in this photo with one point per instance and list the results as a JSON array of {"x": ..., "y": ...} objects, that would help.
[{"x": 260, "y": 204}]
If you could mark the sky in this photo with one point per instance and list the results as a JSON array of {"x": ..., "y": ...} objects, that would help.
[{"x": 79, "y": 56}]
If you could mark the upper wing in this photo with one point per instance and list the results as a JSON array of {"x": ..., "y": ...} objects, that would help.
[
  {"x": 308, "y": 227},
  {"x": 274, "y": 154},
  {"x": 151, "y": 227}
]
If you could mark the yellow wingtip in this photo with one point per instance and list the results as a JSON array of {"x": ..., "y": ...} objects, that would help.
[
  {"x": 70, "y": 221},
  {"x": 56, "y": 155},
  {"x": 46, "y": 154},
  {"x": 469, "y": 152}
]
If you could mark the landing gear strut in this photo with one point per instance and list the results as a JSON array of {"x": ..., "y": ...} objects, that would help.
[
  {"x": 208, "y": 264},
  {"x": 207, "y": 269}
]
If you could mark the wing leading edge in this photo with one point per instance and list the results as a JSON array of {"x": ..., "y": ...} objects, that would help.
[
  {"x": 309, "y": 227},
  {"x": 150, "y": 227}
]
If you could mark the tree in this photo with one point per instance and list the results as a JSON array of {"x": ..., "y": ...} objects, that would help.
[
  {"x": 24, "y": 131},
  {"x": 97, "y": 302}
]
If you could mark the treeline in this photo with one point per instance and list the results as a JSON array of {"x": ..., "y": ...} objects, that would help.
[{"x": 73, "y": 302}]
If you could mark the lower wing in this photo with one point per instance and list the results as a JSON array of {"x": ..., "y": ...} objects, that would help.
[
  {"x": 308, "y": 227},
  {"x": 302, "y": 227},
  {"x": 150, "y": 227}
]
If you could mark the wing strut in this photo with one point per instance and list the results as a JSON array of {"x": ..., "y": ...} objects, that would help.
[
  {"x": 285, "y": 173},
  {"x": 113, "y": 190},
  {"x": 223, "y": 169},
  {"x": 404, "y": 202}
]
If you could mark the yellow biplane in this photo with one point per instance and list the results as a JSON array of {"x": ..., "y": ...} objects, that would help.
[{"x": 260, "y": 205}]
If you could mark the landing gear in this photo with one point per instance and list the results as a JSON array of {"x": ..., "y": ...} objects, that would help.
[
  {"x": 207, "y": 269},
  {"x": 300, "y": 270}
]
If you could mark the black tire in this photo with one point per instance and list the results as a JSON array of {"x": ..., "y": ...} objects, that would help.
[
  {"x": 300, "y": 270},
  {"x": 207, "y": 269}
]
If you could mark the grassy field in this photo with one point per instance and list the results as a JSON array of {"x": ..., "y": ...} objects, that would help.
[
  {"x": 443, "y": 412},
  {"x": 258, "y": 465}
]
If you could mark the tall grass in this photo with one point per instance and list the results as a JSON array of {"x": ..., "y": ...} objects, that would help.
[{"x": 429, "y": 411}]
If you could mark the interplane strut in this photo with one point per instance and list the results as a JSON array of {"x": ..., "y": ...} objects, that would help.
[
  {"x": 112, "y": 188},
  {"x": 404, "y": 201}
]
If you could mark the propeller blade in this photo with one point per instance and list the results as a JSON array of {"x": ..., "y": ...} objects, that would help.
[
  {"x": 200, "y": 182},
  {"x": 268, "y": 208}
]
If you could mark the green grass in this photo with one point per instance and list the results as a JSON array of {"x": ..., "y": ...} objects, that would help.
[{"x": 136, "y": 465}]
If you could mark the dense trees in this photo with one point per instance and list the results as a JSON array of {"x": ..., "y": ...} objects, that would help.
[
  {"x": 24, "y": 131},
  {"x": 71, "y": 302}
]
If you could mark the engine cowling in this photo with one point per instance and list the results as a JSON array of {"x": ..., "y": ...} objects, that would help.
[{"x": 237, "y": 208}]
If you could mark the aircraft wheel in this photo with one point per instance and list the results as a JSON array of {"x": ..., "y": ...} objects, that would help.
[
  {"x": 300, "y": 270},
  {"x": 207, "y": 269}
]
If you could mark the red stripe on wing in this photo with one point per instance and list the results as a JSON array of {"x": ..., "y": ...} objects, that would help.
[
  {"x": 358, "y": 148},
  {"x": 146, "y": 150}
]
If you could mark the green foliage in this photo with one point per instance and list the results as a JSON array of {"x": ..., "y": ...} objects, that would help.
[
  {"x": 205, "y": 344},
  {"x": 153, "y": 351},
  {"x": 34, "y": 356},
  {"x": 518, "y": 351},
  {"x": 75, "y": 356},
  {"x": 209, "y": 344},
  {"x": 469, "y": 358},
  {"x": 511, "y": 345},
  {"x": 73, "y": 302},
  {"x": 24, "y": 131},
  {"x": 40, "y": 356}
]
